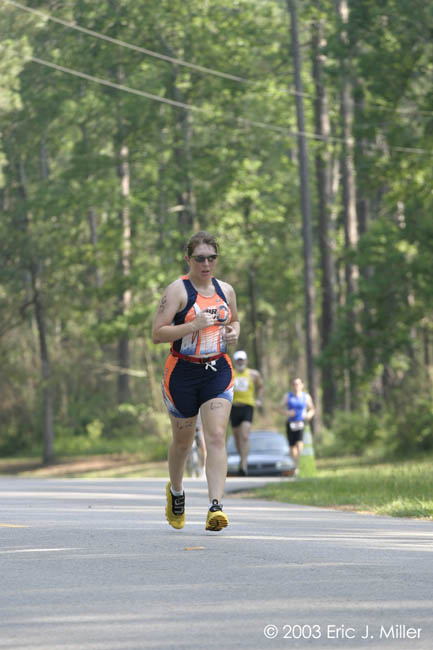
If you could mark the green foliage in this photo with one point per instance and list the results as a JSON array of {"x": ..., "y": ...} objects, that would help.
[
  {"x": 412, "y": 423},
  {"x": 62, "y": 236},
  {"x": 147, "y": 447},
  {"x": 351, "y": 433}
]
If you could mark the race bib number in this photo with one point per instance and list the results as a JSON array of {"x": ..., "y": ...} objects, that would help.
[
  {"x": 241, "y": 384},
  {"x": 296, "y": 426}
]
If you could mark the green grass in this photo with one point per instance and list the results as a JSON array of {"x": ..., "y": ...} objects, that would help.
[
  {"x": 394, "y": 488},
  {"x": 397, "y": 489}
]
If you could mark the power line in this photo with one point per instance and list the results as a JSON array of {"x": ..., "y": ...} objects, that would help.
[
  {"x": 143, "y": 50},
  {"x": 181, "y": 62},
  {"x": 130, "y": 46},
  {"x": 165, "y": 100},
  {"x": 111, "y": 84},
  {"x": 241, "y": 121}
]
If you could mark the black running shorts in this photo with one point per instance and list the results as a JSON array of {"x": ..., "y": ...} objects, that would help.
[
  {"x": 241, "y": 413},
  {"x": 295, "y": 432},
  {"x": 187, "y": 385}
]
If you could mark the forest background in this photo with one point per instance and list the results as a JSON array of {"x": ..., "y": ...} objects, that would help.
[{"x": 299, "y": 133}]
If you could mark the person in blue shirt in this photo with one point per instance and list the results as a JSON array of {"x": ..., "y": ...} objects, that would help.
[{"x": 298, "y": 407}]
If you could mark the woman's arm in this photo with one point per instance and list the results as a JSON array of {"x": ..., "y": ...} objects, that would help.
[
  {"x": 162, "y": 330},
  {"x": 282, "y": 408},
  {"x": 258, "y": 386},
  {"x": 174, "y": 300},
  {"x": 233, "y": 329}
]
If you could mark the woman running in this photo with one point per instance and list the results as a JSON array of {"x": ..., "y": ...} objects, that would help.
[
  {"x": 198, "y": 316},
  {"x": 298, "y": 407}
]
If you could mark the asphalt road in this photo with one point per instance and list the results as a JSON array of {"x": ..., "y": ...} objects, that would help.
[{"x": 93, "y": 565}]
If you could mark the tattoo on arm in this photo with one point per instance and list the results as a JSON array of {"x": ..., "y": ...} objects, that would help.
[{"x": 162, "y": 304}]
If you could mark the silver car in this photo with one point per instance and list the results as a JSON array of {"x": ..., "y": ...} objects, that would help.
[{"x": 269, "y": 455}]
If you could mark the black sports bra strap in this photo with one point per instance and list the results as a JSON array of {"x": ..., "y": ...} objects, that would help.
[
  {"x": 218, "y": 289},
  {"x": 191, "y": 298}
]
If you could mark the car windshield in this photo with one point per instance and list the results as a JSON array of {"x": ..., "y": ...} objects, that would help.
[
  {"x": 262, "y": 444},
  {"x": 267, "y": 445}
]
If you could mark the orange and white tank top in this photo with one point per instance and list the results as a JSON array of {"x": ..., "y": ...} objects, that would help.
[{"x": 209, "y": 340}]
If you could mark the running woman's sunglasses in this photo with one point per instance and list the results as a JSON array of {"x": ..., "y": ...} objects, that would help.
[{"x": 202, "y": 258}]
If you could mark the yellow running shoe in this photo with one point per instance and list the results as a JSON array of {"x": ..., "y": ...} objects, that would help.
[
  {"x": 216, "y": 519},
  {"x": 175, "y": 508}
]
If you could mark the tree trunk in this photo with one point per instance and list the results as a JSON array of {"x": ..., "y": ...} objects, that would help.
[
  {"x": 156, "y": 400},
  {"x": 363, "y": 204},
  {"x": 187, "y": 212},
  {"x": 186, "y": 203},
  {"x": 123, "y": 171},
  {"x": 247, "y": 202},
  {"x": 348, "y": 164},
  {"x": 93, "y": 228},
  {"x": 364, "y": 212},
  {"x": 162, "y": 207},
  {"x": 349, "y": 199},
  {"x": 426, "y": 347},
  {"x": 47, "y": 396},
  {"x": 296, "y": 362},
  {"x": 427, "y": 358},
  {"x": 326, "y": 224},
  {"x": 45, "y": 361},
  {"x": 311, "y": 333},
  {"x": 254, "y": 319},
  {"x": 123, "y": 388}
]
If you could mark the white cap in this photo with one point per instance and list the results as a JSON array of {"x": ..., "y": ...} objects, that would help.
[{"x": 240, "y": 355}]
